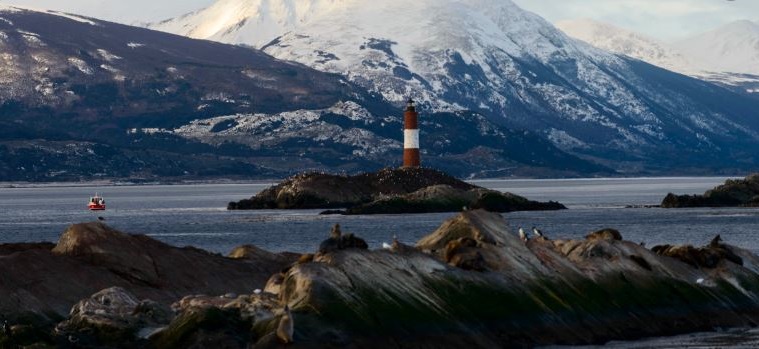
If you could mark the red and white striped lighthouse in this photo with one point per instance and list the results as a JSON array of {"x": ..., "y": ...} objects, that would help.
[{"x": 411, "y": 156}]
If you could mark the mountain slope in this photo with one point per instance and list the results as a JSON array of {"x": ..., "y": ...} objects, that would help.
[
  {"x": 83, "y": 98},
  {"x": 492, "y": 57},
  {"x": 105, "y": 71},
  {"x": 728, "y": 56},
  {"x": 615, "y": 39},
  {"x": 733, "y": 48}
]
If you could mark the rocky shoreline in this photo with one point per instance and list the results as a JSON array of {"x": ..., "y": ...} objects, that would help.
[
  {"x": 734, "y": 193},
  {"x": 388, "y": 191},
  {"x": 472, "y": 282}
]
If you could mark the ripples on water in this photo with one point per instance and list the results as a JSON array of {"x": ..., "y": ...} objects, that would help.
[{"x": 195, "y": 215}]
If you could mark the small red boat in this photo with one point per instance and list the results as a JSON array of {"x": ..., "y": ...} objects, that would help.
[{"x": 97, "y": 203}]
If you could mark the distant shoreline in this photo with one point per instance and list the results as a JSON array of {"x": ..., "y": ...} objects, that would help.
[
  {"x": 137, "y": 182},
  {"x": 115, "y": 183}
]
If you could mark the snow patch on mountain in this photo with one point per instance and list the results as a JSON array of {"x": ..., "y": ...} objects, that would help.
[
  {"x": 259, "y": 131},
  {"x": 728, "y": 55},
  {"x": 731, "y": 48},
  {"x": 81, "y": 65},
  {"x": 254, "y": 22},
  {"x": 109, "y": 57},
  {"x": 629, "y": 43},
  {"x": 74, "y": 17}
]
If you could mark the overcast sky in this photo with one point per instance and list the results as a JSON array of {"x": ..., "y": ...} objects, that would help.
[{"x": 663, "y": 19}]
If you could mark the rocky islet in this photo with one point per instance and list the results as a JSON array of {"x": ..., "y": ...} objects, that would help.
[
  {"x": 472, "y": 281},
  {"x": 734, "y": 193},
  {"x": 388, "y": 191}
]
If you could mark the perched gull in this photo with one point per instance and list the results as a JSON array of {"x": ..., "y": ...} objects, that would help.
[
  {"x": 522, "y": 234},
  {"x": 394, "y": 246},
  {"x": 537, "y": 232}
]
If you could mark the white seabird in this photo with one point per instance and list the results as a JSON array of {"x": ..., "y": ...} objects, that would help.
[
  {"x": 537, "y": 232},
  {"x": 522, "y": 234}
]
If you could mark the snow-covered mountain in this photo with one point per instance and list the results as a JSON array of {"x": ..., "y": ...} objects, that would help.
[
  {"x": 728, "y": 55},
  {"x": 732, "y": 48},
  {"x": 621, "y": 41},
  {"x": 83, "y": 98},
  {"x": 493, "y": 57}
]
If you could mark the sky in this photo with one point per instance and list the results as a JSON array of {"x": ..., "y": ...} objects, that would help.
[{"x": 662, "y": 19}]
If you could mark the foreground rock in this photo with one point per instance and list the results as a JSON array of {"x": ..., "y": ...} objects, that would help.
[
  {"x": 473, "y": 283},
  {"x": 403, "y": 190},
  {"x": 734, "y": 193},
  {"x": 39, "y": 283}
]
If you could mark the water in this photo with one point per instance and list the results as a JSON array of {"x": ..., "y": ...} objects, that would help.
[{"x": 195, "y": 214}]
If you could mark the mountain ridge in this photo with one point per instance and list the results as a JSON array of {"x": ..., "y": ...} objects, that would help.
[
  {"x": 511, "y": 65},
  {"x": 727, "y": 55},
  {"x": 84, "y": 98}
]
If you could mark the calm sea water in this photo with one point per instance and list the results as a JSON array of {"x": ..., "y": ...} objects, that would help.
[{"x": 196, "y": 215}]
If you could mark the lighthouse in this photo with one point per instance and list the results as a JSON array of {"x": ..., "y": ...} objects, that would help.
[{"x": 411, "y": 156}]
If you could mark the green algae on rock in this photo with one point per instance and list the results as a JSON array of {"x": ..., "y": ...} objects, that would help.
[
  {"x": 536, "y": 293},
  {"x": 471, "y": 283}
]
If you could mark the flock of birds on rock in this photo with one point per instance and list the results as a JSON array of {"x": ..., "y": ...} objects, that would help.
[
  {"x": 522, "y": 235},
  {"x": 535, "y": 231}
]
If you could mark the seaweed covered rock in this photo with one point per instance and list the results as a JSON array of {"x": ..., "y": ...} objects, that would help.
[
  {"x": 444, "y": 198},
  {"x": 113, "y": 317},
  {"x": 321, "y": 190},
  {"x": 258, "y": 255},
  {"x": 40, "y": 283},
  {"x": 339, "y": 241},
  {"x": 218, "y": 322},
  {"x": 709, "y": 256},
  {"x": 97, "y": 243},
  {"x": 463, "y": 253},
  {"x": 209, "y": 327},
  {"x": 478, "y": 285},
  {"x": 734, "y": 193},
  {"x": 605, "y": 234},
  {"x": 26, "y": 329},
  {"x": 403, "y": 190}
]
